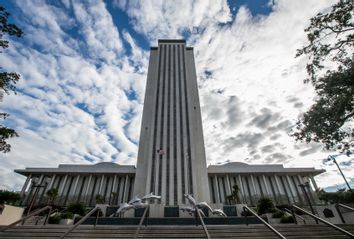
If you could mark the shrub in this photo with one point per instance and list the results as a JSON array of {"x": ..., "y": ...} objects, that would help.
[
  {"x": 99, "y": 199},
  {"x": 287, "y": 219},
  {"x": 278, "y": 214},
  {"x": 55, "y": 219},
  {"x": 76, "y": 208},
  {"x": 265, "y": 205},
  {"x": 67, "y": 215}
]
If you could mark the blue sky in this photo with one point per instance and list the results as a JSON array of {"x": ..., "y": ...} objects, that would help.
[{"x": 83, "y": 67}]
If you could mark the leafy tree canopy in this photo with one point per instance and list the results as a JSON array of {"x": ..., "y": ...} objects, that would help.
[
  {"x": 7, "y": 79},
  {"x": 331, "y": 41},
  {"x": 9, "y": 197}
]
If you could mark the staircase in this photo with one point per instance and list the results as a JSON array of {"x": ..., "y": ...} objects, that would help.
[{"x": 215, "y": 231}]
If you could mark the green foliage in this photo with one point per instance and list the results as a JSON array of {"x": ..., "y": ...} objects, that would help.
[
  {"x": 52, "y": 194},
  {"x": 328, "y": 120},
  {"x": 55, "y": 219},
  {"x": 287, "y": 219},
  {"x": 67, "y": 215},
  {"x": 9, "y": 197},
  {"x": 234, "y": 198},
  {"x": 265, "y": 205},
  {"x": 324, "y": 121},
  {"x": 278, "y": 213},
  {"x": 7, "y": 79},
  {"x": 338, "y": 24},
  {"x": 341, "y": 196},
  {"x": 76, "y": 208},
  {"x": 99, "y": 199},
  {"x": 244, "y": 213}
]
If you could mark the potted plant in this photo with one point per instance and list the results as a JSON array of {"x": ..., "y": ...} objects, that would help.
[
  {"x": 54, "y": 219},
  {"x": 66, "y": 218},
  {"x": 100, "y": 202},
  {"x": 275, "y": 218}
]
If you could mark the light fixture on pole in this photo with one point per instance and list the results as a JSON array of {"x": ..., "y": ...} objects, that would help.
[{"x": 330, "y": 157}]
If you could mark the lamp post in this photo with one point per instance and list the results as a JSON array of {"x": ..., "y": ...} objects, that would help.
[
  {"x": 303, "y": 187},
  {"x": 330, "y": 157},
  {"x": 37, "y": 186}
]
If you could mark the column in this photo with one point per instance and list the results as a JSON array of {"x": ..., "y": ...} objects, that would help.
[
  {"x": 217, "y": 189},
  {"x": 228, "y": 186},
  {"x": 52, "y": 181},
  {"x": 241, "y": 189},
  {"x": 25, "y": 185},
  {"x": 62, "y": 186},
  {"x": 266, "y": 185},
  {"x": 75, "y": 186},
  {"x": 101, "y": 184}
]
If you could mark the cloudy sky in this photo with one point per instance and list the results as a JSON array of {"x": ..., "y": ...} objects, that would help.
[{"x": 83, "y": 67}]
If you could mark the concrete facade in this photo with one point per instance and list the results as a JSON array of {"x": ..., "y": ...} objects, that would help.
[
  {"x": 115, "y": 183},
  {"x": 79, "y": 183},
  {"x": 171, "y": 158}
]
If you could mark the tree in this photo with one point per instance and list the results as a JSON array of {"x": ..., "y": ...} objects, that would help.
[
  {"x": 234, "y": 198},
  {"x": 52, "y": 194},
  {"x": 331, "y": 42},
  {"x": 9, "y": 197},
  {"x": 7, "y": 79}
]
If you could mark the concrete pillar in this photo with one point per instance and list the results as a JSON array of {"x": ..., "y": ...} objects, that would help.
[
  {"x": 241, "y": 189},
  {"x": 254, "y": 186},
  {"x": 52, "y": 181},
  {"x": 266, "y": 185},
  {"x": 88, "y": 186},
  {"x": 291, "y": 189},
  {"x": 75, "y": 185},
  {"x": 217, "y": 192},
  {"x": 101, "y": 184},
  {"x": 126, "y": 196},
  {"x": 62, "y": 186},
  {"x": 313, "y": 183},
  {"x": 228, "y": 186},
  {"x": 25, "y": 185}
]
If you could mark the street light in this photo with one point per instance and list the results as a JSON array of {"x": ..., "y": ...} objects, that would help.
[
  {"x": 330, "y": 157},
  {"x": 37, "y": 186},
  {"x": 303, "y": 187}
]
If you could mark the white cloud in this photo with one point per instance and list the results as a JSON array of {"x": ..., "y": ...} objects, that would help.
[{"x": 73, "y": 98}]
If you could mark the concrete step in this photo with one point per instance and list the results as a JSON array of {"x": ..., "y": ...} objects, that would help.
[{"x": 215, "y": 231}]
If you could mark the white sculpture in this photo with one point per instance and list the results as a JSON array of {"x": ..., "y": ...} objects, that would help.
[
  {"x": 200, "y": 205},
  {"x": 136, "y": 203}
]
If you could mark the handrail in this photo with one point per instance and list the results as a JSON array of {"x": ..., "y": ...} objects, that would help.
[
  {"x": 296, "y": 215},
  {"x": 245, "y": 208},
  {"x": 340, "y": 213},
  {"x": 324, "y": 221},
  {"x": 81, "y": 221},
  {"x": 141, "y": 222},
  {"x": 202, "y": 222},
  {"x": 345, "y": 206},
  {"x": 28, "y": 216}
]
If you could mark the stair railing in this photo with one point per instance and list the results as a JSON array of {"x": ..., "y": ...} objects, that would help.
[
  {"x": 338, "y": 205},
  {"x": 245, "y": 209},
  {"x": 202, "y": 222},
  {"x": 141, "y": 221},
  {"x": 23, "y": 219},
  {"x": 95, "y": 209},
  {"x": 295, "y": 215},
  {"x": 323, "y": 221}
]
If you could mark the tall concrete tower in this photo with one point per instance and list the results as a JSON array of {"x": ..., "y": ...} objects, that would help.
[{"x": 171, "y": 156}]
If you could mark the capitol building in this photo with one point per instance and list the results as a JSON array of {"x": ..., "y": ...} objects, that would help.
[{"x": 171, "y": 157}]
